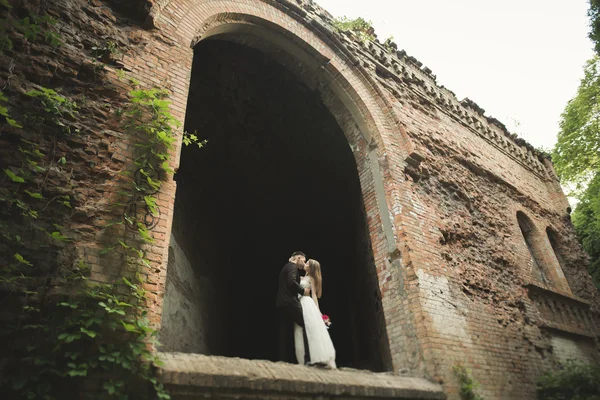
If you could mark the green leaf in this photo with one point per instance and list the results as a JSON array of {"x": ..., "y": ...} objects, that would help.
[
  {"x": 131, "y": 285},
  {"x": 13, "y": 177},
  {"x": 165, "y": 166},
  {"x": 107, "y": 250},
  {"x": 129, "y": 327},
  {"x": 34, "y": 195},
  {"x": 68, "y": 304},
  {"x": 13, "y": 123},
  {"x": 88, "y": 332},
  {"x": 20, "y": 259},
  {"x": 59, "y": 236},
  {"x": 151, "y": 203}
]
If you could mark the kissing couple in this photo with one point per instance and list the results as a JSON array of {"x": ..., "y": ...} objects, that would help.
[{"x": 298, "y": 309}]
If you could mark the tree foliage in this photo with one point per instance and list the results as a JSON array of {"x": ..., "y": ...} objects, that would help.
[
  {"x": 594, "y": 14},
  {"x": 586, "y": 219},
  {"x": 572, "y": 381},
  {"x": 577, "y": 153},
  {"x": 576, "y": 158}
]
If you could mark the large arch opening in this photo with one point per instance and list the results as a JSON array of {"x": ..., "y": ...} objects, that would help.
[{"x": 277, "y": 175}]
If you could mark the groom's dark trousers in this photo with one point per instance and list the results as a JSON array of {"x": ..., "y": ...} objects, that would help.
[{"x": 290, "y": 311}]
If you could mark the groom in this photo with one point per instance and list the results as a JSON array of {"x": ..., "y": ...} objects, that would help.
[{"x": 288, "y": 306}]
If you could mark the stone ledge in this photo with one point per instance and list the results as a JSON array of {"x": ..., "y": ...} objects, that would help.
[
  {"x": 555, "y": 326},
  {"x": 540, "y": 287},
  {"x": 188, "y": 376}
]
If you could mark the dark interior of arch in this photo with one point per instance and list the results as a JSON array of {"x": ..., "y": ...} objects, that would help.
[{"x": 276, "y": 176}]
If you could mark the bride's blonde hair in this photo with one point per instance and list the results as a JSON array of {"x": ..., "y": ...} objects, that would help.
[{"x": 315, "y": 273}]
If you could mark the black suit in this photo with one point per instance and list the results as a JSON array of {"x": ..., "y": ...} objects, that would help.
[{"x": 290, "y": 310}]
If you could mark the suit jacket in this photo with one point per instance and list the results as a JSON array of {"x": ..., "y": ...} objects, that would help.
[{"x": 289, "y": 286}]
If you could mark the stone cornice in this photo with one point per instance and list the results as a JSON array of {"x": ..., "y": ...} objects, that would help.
[{"x": 395, "y": 74}]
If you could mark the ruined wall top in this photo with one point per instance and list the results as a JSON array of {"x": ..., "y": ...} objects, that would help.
[{"x": 395, "y": 70}]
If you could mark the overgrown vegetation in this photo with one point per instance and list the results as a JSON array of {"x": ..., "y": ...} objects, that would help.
[
  {"x": 576, "y": 155},
  {"x": 390, "y": 45},
  {"x": 577, "y": 152},
  {"x": 361, "y": 28},
  {"x": 107, "y": 51},
  {"x": 594, "y": 15},
  {"x": 571, "y": 381},
  {"x": 33, "y": 27},
  {"x": 67, "y": 333},
  {"x": 467, "y": 384},
  {"x": 576, "y": 158},
  {"x": 586, "y": 219},
  {"x": 68, "y": 327}
]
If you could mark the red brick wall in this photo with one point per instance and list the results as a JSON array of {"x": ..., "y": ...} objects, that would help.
[
  {"x": 452, "y": 263},
  {"x": 441, "y": 185},
  {"x": 471, "y": 262}
]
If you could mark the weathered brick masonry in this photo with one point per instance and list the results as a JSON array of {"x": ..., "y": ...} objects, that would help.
[{"x": 476, "y": 257}]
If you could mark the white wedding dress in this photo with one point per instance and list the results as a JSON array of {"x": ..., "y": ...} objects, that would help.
[{"x": 319, "y": 343}]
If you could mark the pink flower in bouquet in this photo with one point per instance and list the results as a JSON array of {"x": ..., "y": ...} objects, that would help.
[{"x": 326, "y": 319}]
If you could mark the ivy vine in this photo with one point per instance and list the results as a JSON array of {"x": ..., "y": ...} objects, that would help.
[
  {"x": 78, "y": 328},
  {"x": 70, "y": 335},
  {"x": 70, "y": 330}
]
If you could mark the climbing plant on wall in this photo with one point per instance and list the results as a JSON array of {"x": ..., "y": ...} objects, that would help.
[
  {"x": 67, "y": 333},
  {"x": 78, "y": 328}
]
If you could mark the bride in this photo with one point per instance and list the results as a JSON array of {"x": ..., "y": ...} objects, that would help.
[{"x": 320, "y": 345}]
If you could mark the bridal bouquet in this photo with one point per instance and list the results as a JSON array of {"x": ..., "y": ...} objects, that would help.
[{"x": 326, "y": 320}]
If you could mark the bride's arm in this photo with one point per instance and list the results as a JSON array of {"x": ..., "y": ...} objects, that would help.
[{"x": 313, "y": 294}]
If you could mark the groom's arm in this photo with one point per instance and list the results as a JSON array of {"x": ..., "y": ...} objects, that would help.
[{"x": 291, "y": 279}]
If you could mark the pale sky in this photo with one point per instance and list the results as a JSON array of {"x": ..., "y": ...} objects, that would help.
[{"x": 520, "y": 60}]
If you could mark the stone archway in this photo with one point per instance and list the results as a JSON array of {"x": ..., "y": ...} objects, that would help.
[
  {"x": 344, "y": 89},
  {"x": 278, "y": 175}
]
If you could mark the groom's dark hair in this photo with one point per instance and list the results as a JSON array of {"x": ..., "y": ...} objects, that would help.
[{"x": 298, "y": 253}]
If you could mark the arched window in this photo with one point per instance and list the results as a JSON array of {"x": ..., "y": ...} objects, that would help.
[
  {"x": 552, "y": 238},
  {"x": 529, "y": 234}
]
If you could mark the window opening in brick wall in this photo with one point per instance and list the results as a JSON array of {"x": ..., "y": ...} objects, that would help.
[
  {"x": 276, "y": 176},
  {"x": 532, "y": 240},
  {"x": 552, "y": 238}
]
